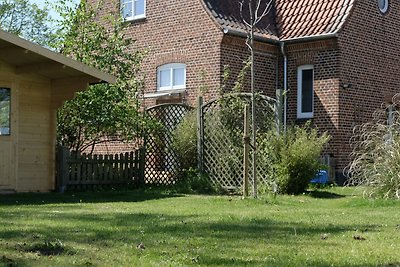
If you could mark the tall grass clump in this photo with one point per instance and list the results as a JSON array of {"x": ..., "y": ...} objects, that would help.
[
  {"x": 294, "y": 158},
  {"x": 375, "y": 159}
]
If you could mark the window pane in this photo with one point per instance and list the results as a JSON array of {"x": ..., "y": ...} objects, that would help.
[
  {"x": 165, "y": 78},
  {"x": 127, "y": 9},
  {"x": 4, "y": 111},
  {"x": 139, "y": 7},
  {"x": 307, "y": 91},
  {"x": 179, "y": 76}
]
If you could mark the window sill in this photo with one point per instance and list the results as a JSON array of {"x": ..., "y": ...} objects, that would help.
[
  {"x": 164, "y": 93},
  {"x": 305, "y": 116},
  {"x": 135, "y": 20}
]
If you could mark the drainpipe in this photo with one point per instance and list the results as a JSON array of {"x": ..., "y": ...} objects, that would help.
[{"x": 285, "y": 87}]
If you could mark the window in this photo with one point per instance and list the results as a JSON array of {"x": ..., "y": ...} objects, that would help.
[
  {"x": 5, "y": 111},
  {"x": 171, "y": 76},
  {"x": 305, "y": 92},
  {"x": 383, "y": 6},
  {"x": 133, "y": 9}
]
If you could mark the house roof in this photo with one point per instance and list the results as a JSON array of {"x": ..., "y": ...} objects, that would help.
[
  {"x": 227, "y": 14},
  {"x": 287, "y": 19},
  {"x": 300, "y": 18},
  {"x": 28, "y": 57}
]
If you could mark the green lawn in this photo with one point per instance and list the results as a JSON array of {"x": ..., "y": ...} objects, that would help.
[{"x": 335, "y": 227}]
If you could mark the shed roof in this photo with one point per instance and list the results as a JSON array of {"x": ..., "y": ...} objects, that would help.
[
  {"x": 28, "y": 57},
  {"x": 288, "y": 19}
]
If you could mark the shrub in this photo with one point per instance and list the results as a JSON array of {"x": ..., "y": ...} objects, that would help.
[
  {"x": 294, "y": 158},
  {"x": 191, "y": 181},
  {"x": 184, "y": 142},
  {"x": 376, "y": 156}
]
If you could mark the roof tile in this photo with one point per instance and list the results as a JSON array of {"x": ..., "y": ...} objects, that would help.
[{"x": 287, "y": 19}]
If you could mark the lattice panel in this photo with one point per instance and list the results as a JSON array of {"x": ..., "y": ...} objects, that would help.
[
  {"x": 223, "y": 138},
  {"x": 162, "y": 164}
]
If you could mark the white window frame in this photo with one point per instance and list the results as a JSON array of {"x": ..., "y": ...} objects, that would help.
[
  {"x": 300, "y": 113},
  {"x": 385, "y": 7},
  {"x": 133, "y": 17},
  {"x": 171, "y": 68}
]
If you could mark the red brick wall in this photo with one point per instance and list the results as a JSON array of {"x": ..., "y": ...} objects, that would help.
[
  {"x": 370, "y": 61},
  {"x": 323, "y": 55},
  {"x": 234, "y": 52},
  {"x": 178, "y": 32}
]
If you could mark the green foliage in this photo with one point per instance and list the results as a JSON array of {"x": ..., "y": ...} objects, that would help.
[
  {"x": 27, "y": 20},
  {"x": 376, "y": 156},
  {"x": 294, "y": 158},
  {"x": 191, "y": 181},
  {"x": 184, "y": 141},
  {"x": 103, "y": 109},
  {"x": 100, "y": 111},
  {"x": 184, "y": 144},
  {"x": 231, "y": 107}
]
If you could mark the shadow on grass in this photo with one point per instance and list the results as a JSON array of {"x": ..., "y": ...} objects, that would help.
[
  {"x": 324, "y": 194},
  {"x": 160, "y": 231},
  {"x": 220, "y": 261},
  {"x": 113, "y": 228},
  {"x": 138, "y": 195}
]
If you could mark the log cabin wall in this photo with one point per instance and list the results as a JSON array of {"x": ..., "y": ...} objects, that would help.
[{"x": 27, "y": 154}]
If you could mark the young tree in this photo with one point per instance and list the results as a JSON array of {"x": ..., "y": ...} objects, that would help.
[
  {"x": 252, "y": 12},
  {"x": 103, "y": 109},
  {"x": 26, "y": 20}
]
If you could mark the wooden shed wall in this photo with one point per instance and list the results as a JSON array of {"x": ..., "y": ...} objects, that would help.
[{"x": 27, "y": 155}]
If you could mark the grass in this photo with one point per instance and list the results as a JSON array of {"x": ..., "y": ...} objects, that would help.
[{"x": 332, "y": 227}]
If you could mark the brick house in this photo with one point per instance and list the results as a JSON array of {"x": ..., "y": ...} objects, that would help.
[{"x": 337, "y": 59}]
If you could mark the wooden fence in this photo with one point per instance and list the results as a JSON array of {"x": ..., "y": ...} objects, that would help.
[{"x": 81, "y": 171}]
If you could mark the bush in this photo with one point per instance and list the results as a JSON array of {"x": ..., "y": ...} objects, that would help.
[
  {"x": 184, "y": 142},
  {"x": 376, "y": 156},
  {"x": 294, "y": 158},
  {"x": 191, "y": 181}
]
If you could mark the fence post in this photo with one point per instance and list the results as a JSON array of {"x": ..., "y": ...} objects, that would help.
[
  {"x": 63, "y": 168},
  {"x": 200, "y": 133},
  {"x": 246, "y": 149},
  {"x": 142, "y": 162}
]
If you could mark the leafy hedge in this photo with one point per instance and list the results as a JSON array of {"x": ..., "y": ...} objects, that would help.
[{"x": 294, "y": 157}]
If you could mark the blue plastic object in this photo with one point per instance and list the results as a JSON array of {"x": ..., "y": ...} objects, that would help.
[{"x": 320, "y": 178}]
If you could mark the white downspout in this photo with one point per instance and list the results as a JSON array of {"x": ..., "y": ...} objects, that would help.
[{"x": 285, "y": 87}]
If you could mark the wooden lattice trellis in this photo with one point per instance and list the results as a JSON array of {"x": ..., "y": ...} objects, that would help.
[
  {"x": 222, "y": 138},
  {"x": 161, "y": 164}
]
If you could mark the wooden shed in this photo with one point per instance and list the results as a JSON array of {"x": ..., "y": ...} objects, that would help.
[{"x": 34, "y": 82}]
